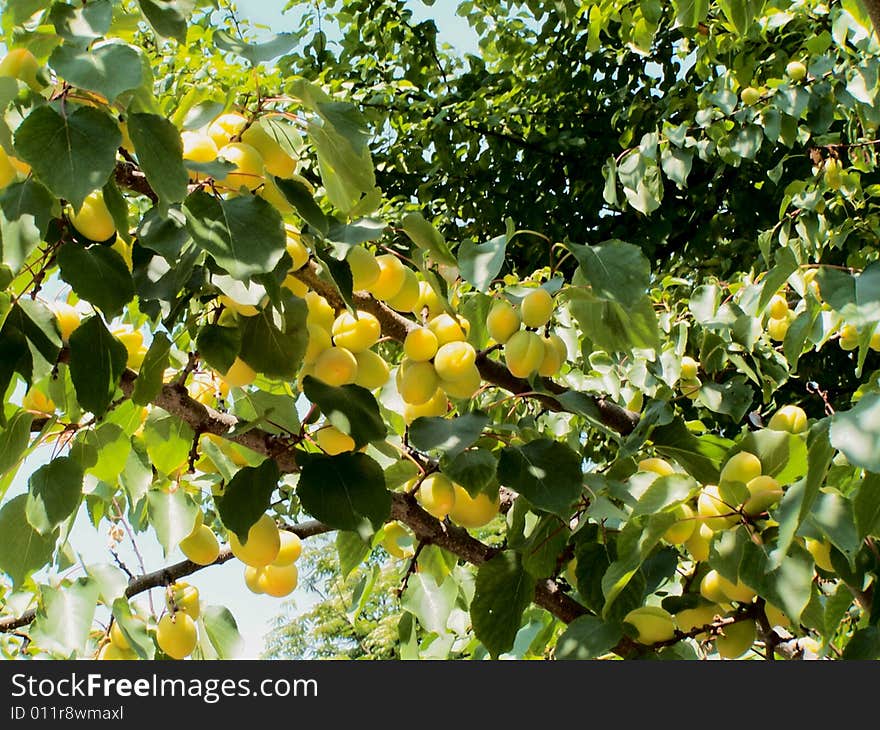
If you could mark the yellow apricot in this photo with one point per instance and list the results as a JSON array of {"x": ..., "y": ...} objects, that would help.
[
  {"x": 777, "y": 328},
  {"x": 177, "y": 635},
  {"x": 291, "y": 549},
  {"x": 778, "y": 307},
  {"x": 523, "y": 353},
  {"x": 239, "y": 375},
  {"x": 473, "y": 512},
  {"x": 299, "y": 254},
  {"x": 699, "y": 542},
  {"x": 407, "y": 299},
  {"x": 262, "y": 546},
  {"x": 420, "y": 344},
  {"x": 272, "y": 194},
  {"x": 736, "y": 639},
  {"x": 248, "y": 164},
  {"x": 502, "y": 321},
  {"x": 689, "y": 368},
  {"x": 392, "y": 274},
  {"x": 93, "y": 219},
  {"x": 398, "y": 540},
  {"x": 296, "y": 286},
  {"x": 429, "y": 299},
  {"x": 465, "y": 385},
  {"x": 244, "y": 310},
  {"x": 336, "y": 366},
  {"x": 201, "y": 545},
  {"x": 454, "y": 360},
  {"x": 789, "y": 418},
  {"x": 67, "y": 318},
  {"x": 252, "y": 578},
  {"x": 447, "y": 329},
  {"x": 552, "y": 361},
  {"x": 536, "y": 308},
  {"x": 656, "y": 465},
  {"x": 372, "y": 370},
  {"x": 225, "y": 127},
  {"x": 416, "y": 381},
  {"x": 20, "y": 63},
  {"x": 436, "y": 494},
  {"x": 356, "y": 333},
  {"x": 279, "y": 580},
  {"x": 333, "y": 441},
  {"x": 37, "y": 402},
  {"x": 682, "y": 529},
  {"x": 436, "y": 405},
  {"x": 319, "y": 340},
  {"x": 713, "y": 511},
  {"x": 277, "y": 161},
  {"x": 198, "y": 147},
  {"x": 8, "y": 172},
  {"x": 320, "y": 311}
]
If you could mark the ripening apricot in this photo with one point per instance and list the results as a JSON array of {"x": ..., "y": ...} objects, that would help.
[
  {"x": 198, "y": 147},
  {"x": 333, "y": 441},
  {"x": 112, "y": 651},
  {"x": 552, "y": 361},
  {"x": 295, "y": 285},
  {"x": 849, "y": 337},
  {"x": 741, "y": 467},
  {"x": 681, "y": 530},
  {"x": 777, "y": 328},
  {"x": 502, "y": 321},
  {"x": 276, "y": 160},
  {"x": 278, "y": 580},
  {"x": 711, "y": 588},
  {"x": 299, "y": 254},
  {"x": 429, "y": 299},
  {"x": 398, "y": 540},
  {"x": 117, "y": 637},
  {"x": 372, "y": 370},
  {"x": 738, "y": 591},
  {"x": 272, "y": 194},
  {"x": 454, "y": 360},
  {"x": 133, "y": 340},
  {"x": 652, "y": 624},
  {"x": 392, "y": 274},
  {"x": 336, "y": 366},
  {"x": 436, "y": 494},
  {"x": 225, "y": 127},
  {"x": 93, "y": 219},
  {"x": 821, "y": 552},
  {"x": 464, "y": 386},
  {"x": 239, "y": 375},
  {"x": 420, "y": 344},
  {"x": 689, "y": 619},
  {"x": 320, "y": 311},
  {"x": 699, "y": 543},
  {"x": 201, "y": 545},
  {"x": 473, "y": 512},
  {"x": 448, "y": 329},
  {"x": 407, "y": 299},
  {"x": 8, "y": 172},
  {"x": 364, "y": 269},
  {"x": 778, "y": 307},
  {"x": 436, "y": 405},
  {"x": 788, "y": 418},
  {"x": 291, "y": 549},
  {"x": 20, "y": 63},
  {"x": 736, "y": 639},
  {"x": 37, "y": 401},
  {"x": 523, "y": 353},
  {"x": 656, "y": 465},
  {"x": 689, "y": 368},
  {"x": 356, "y": 333},
  {"x": 416, "y": 381},
  {"x": 764, "y": 492},
  {"x": 184, "y": 598},
  {"x": 536, "y": 308},
  {"x": 713, "y": 511},
  {"x": 177, "y": 635},
  {"x": 262, "y": 546},
  {"x": 248, "y": 164},
  {"x": 252, "y": 578}
]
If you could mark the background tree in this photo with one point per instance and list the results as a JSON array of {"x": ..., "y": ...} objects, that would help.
[{"x": 583, "y": 332}]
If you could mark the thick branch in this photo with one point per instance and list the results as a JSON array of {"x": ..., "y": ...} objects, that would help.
[
  {"x": 873, "y": 7},
  {"x": 165, "y": 576}
]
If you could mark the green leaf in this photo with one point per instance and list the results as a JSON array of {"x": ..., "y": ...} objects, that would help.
[
  {"x": 22, "y": 549},
  {"x": 615, "y": 327},
  {"x": 14, "y": 439},
  {"x": 783, "y": 455},
  {"x": 222, "y": 631},
  {"x": 617, "y": 271},
  {"x": 244, "y": 234},
  {"x": 133, "y": 629},
  {"x": 347, "y": 492},
  {"x": 481, "y": 263},
  {"x": 351, "y": 550},
  {"x": 866, "y": 506},
  {"x": 111, "y": 581},
  {"x": 247, "y": 497},
  {"x": 168, "y": 440},
  {"x": 856, "y": 432},
  {"x": 299, "y": 197},
  {"x": 54, "y": 493},
  {"x": 18, "y": 240},
  {"x": 547, "y": 473},
  {"x": 700, "y": 456},
  {"x": 97, "y": 360},
  {"x": 833, "y": 515},
  {"x": 502, "y": 592},
  {"x": 543, "y": 546},
  {"x": 256, "y": 53},
  {"x": 37, "y": 322},
  {"x": 219, "y": 346},
  {"x": 29, "y": 198},
  {"x": 97, "y": 274},
  {"x": 855, "y": 298},
  {"x": 473, "y": 469},
  {"x": 427, "y": 238},
  {"x": 165, "y": 233},
  {"x": 276, "y": 351},
  {"x": 151, "y": 374},
  {"x": 864, "y": 644},
  {"x": 160, "y": 155},
  {"x": 350, "y": 408},
  {"x": 102, "y": 452},
  {"x": 430, "y": 603},
  {"x": 448, "y": 435},
  {"x": 172, "y": 515},
  {"x": 663, "y": 492},
  {"x": 84, "y": 23},
  {"x": 65, "y": 617},
  {"x": 587, "y": 637},
  {"x": 168, "y": 17},
  {"x": 71, "y": 154},
  {"x": 109, "y": 67}
]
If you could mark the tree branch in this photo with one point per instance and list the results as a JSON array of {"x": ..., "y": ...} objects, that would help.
[{"x": 873, "y": 8}]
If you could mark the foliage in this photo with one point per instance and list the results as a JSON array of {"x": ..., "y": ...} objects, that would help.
[{"x": 582, "y": 330}]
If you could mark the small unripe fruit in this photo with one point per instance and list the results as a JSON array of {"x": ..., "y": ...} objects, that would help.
[
  {"x": 392, "y": 274},
  {"x": 372, "y": 371},
  {"x": 364, "y": 269},
  {"x": 502, "y": 321},
  {"x": 473, "y": 512},
  {"x": 536, "y": 308},
  {"x": 336, "y": 366},
  {"x": 523, "y": 353},
  {"x": 689, "y": 368},
  {"x": 750, "y": 95},
  {"x": 652, "y": 623},
  {"x": 437, "y": 495},
  {"x": 420, "y": 344},
  {"x": 262, "y": 546},
  {"x": 177, "y": 635},
  {"x": 796, "y": 71}
]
